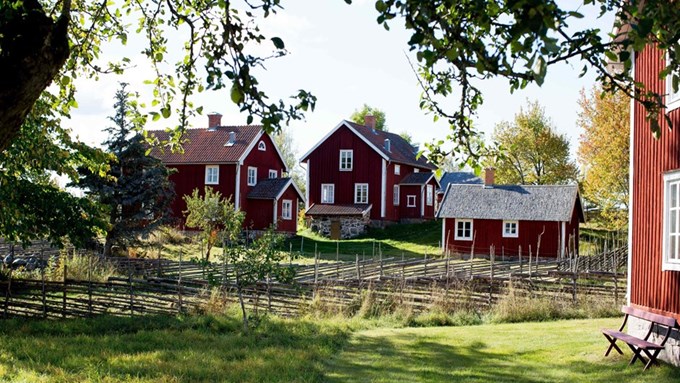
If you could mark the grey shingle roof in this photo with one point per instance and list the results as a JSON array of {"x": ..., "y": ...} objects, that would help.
[
  {"x": 511, "y": 202},
  {"x": 462, "y": 178},
  {"x": 416, "y": 178},
  {"x": 327, "y": 209},
  {"x": 268, "y": 188}
]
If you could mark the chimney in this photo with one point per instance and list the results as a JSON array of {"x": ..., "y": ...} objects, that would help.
[
  {"x": 369, "y": 121},
  {"x": 489, "y": 174},
  {"x": 232, "y": 139},
  {"x": 214, "y": 120},
  {"x": 387, "y": 145}
]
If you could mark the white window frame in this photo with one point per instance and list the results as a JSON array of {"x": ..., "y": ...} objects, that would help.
[
  {"x": 672, "y": 98},
  {"x": 261, "y": 146},
  {"x": 509, "y": 233},
  {"x": 457, "y": 223},
  {"x": 348, "y": 156},
  {"x": 208, "y": 178},
  {"x": 416, "y": 170},
  {"x": 671, "y": 258},
  {"x": 429, "y": 195},
  {"x": 395, "y": 195},
  {"x": 397, "y": 169},
  {"x": 359, "y": 196},
  {"x": 252, "y": 176},
  {"x": 273, "y": 172},
  {"x": 287, "y": 209},
  {"x": 331, "y": 188},
  {"x": 409, "y": 198}
]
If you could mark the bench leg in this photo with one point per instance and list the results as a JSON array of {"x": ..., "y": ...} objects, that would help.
[
  {"x": 652, "y": 358},
  {"x": 636, "y": 355},
  {"x": 612, "y": 344}
]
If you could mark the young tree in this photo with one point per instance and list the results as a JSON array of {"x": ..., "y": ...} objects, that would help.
[
  {"x": 532, "y": 152},
  {"x": 215, "y": 216},
  {"x": 366, "y": 110},
  {"x": 604, "y": 153},
  {"x": 136, "y": 189}
]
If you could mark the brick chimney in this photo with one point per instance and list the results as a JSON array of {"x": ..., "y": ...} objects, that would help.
[
  {"x": 369, "y": 121},
  {"x": 214, "y": 120},
  {"x": 489, "y": 175}
]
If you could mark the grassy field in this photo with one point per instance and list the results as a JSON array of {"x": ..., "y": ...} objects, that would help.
[{"x": 214, "y": 349}]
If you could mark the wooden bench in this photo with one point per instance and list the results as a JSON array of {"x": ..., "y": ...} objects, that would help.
[{"x": 640, "y": 345}]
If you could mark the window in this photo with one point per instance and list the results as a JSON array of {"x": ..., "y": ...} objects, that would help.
[
  {"x": 287, "y": 209},
  {"x": 273, "y": 173},
  {"x": 671, "y": 222},
  {"x": 672, "y": 97},
  {"x": 410, "y": 201},
  {"x": 212, "y": 174},
  {"x": 395, "y": 197},
  {"x": 510, "y": 229},
  {"x": 360, "y": 193},
  {"x": 261, "y": 146},
  {"x": 327, "y": 193},
  {"x": 430, "y": 195},
  {"x": 252, "y": 176},
  {"x": 463, "y": 230},
  {"x": 346, "y": 160},
  {"x": 397, "y": 169},
  {"x": 416, "y": 170}
]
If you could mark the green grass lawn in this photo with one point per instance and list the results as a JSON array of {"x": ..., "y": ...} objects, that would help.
[
  {"x": 214, "y": 349},
  {"x": 562, "y": 351}
]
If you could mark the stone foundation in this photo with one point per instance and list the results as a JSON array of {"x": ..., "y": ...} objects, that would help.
[
  {"x": 639, "y": 327},
  {"x": 350, "y": 226}
]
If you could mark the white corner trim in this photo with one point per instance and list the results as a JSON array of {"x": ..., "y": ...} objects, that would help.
[
  {"x": 630, "y": 189},
  {"x": 383, "y": 188},
  {"x": 276, "y": 212},
  {"x": 422, "y": 201},
  {"x": 444, "y": 249},
  {"x": 307, "y": 188},
  {"x": 237, "y": 192}
]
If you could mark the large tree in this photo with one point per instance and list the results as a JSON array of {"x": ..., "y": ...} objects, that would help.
[
  {"x": 533, "y": 153},
  {"x": 136, "y": 188},
  {"x": 604, "y": 153},
  {"x": 456, "y": 44},
  {"x": 367, "y": 110}
]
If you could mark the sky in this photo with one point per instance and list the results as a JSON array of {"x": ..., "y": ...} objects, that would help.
[{"x": 340, "y": 54}]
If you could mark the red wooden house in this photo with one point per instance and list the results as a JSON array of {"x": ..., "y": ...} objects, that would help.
[
  {"x": 654, "y": 231},
  {"x": 358, "y": 175},
  {"x": 509, "y": 218},
  {"x": 242, "y": 163}
]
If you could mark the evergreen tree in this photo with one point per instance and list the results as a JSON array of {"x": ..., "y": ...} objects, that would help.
[{"x": 136, "y": 189}]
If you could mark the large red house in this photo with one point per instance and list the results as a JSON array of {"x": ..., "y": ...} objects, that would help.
[
  {"x": 541, "y": 219},
  {"x": 654, "y": 229},
  {"x": 242, "y": 163},
  {"x": 358, "y": 175}
]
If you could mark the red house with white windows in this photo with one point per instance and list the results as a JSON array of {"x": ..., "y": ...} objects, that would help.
[
  {"x": 514, "y": 219},
  {"x": 654, "y": 228},
  {"x": 242, "y": 163},
  {"x": 358, "y": 175}
]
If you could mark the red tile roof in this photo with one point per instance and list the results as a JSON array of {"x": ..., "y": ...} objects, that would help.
[{"x": 205, "y": 146}]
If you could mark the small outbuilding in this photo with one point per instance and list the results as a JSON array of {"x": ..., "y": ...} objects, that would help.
[{"x": 543, "y": 219}]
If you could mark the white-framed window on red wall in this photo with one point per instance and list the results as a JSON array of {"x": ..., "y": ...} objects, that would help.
[
  {"x": 327, "y": 193},
  {"x": 361, "y": 193},
  {"x": 252, "y": 176},
  {"x": 671, "y": 221},
  {"x": 510, "y": 229},
  {"x": 395, "y": 196},
  {"x": 410, "y": 201},
  {"x": 346, "y": 160},
  {"x": 672, "y": 95},
  {"x": 273, "y": 173},
  {"x": 464, "y": 229},
  {"x": 212, "y": 174},
  {"x": 430, "y": 195},
  {"x": 286, "y": 209}
]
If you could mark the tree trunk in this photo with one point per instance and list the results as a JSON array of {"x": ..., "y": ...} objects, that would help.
[{"x": 33, "y": 48}]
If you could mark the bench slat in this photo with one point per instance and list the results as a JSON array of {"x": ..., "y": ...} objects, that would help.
[
  {"x": 637, "y": 342},
  {"x": 651, "y": 317}
]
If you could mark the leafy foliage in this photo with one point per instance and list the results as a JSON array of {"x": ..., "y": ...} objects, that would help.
[
  {"x": 604, "y": 153},
  {"x": 136, "y": 189},
  {"x": 284, "y": 141},
  {"x": 366, "y": 110},
  {"x": 215, "y": 216},
  {"x": 533, "y": 152},
  {"x": 32, "y": 206}
]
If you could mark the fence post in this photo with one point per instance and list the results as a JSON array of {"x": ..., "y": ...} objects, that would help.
[
  {"x": 521, "y": 269},
  {"x": 132, "y": 294},
  {"x": 358, "y": 272},
  {"x": 573, "y": 286},
  {"x": 63, "y": 302},
  {"x": 89, "y": 285},
  {"x": 381, "y": 263},
  {"x": 44, "y": 299},
  {"x": 179, "y": 284},
  {"x": 7, "y": 293},
  {"x": 492, "y": 256}
]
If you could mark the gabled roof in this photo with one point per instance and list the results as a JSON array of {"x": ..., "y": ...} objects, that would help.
[
  {"x": 420, "y": 178},
  {"x": 400, "y": 150},
  {"x": 329, "y": 209},
  {"x": 207, "y": 146},
  {"x": 272, "y": 188},
  {"x": 511, "y": 202},
  {"x": 459, "y": 178}
]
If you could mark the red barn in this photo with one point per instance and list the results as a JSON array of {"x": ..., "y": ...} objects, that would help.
[
  {"x": 370, "y": 173},
  {"x": 654, "y": 232},
  {"x": 242, "y": 163},
  {"x": 510, "y": 217}
]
